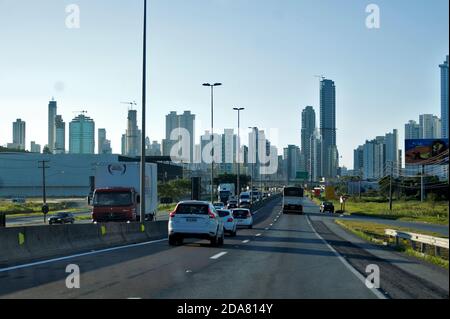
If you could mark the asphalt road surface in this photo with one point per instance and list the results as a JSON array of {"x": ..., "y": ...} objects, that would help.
[{"x": 282, "y": 257}]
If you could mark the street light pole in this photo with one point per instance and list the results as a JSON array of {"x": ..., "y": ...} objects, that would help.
[
  {"x": 212, "y": 134},
  {"x": 239, "y": 109},
  {"x": 144, "y": 78},
  {"x": 253, "y": 165}
]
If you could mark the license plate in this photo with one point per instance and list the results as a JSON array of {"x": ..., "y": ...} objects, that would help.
[{"x": 191, "y": 220}]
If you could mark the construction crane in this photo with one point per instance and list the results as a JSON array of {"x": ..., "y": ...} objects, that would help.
[
  {"x": 321, "y": 77},
  {"x": 131, "y": 104},
  {"x": 79, "y": 112}
]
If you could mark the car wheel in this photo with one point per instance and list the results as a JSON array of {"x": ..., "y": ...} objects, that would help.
[
  {"x": 213, "y": 241},
  {"x": 172, "y": 240},
  {"x": 221, "y": 239}
]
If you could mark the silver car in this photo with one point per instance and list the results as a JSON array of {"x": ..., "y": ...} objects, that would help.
[{"x": 195, "y": 219}]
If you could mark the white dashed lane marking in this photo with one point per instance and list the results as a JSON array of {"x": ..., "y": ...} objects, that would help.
[
  {"x": 217, "y": 256},
  {"x": 246, "y": 241}
]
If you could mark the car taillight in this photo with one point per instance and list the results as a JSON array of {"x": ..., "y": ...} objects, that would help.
[
  {"x": 211, "y": 214},
  {"x": 229, "y": 220},
  {"x": 249, "y": 214},
  {"x": 172, "y": 214}
]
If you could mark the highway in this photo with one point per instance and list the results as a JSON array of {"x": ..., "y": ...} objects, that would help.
[{"x": 282, "y": 257}]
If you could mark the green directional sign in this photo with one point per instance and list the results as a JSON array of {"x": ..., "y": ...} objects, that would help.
[{"x": 302, "y": 175}]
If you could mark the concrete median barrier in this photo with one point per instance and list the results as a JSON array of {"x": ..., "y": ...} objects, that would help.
[
  {"x": 156, "y": 230},
  {"x": 43, "y": 241},
  {"x": 84, "y": 236},
  {"x": 25, "y": 244},
  {"x": 12, "y": 245},
  {"x": 134, "y": 232}
]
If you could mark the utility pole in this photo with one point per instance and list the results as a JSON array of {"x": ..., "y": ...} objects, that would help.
[
  {"x": 422, "y": 185},
  {"x": 43, "y": 165},
  {"x": 390, "y": 186},
  {"x": 238, "y": 182},
  {"x": 144, "y": 83}
]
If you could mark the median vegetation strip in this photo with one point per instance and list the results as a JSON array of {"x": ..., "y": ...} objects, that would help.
[
  {"x": 428, "y": 212},
  {"x": 35, "y": 208},
  {"x": 375, "y": 233}
]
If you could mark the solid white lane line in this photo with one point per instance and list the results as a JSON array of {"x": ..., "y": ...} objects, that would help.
[
  {"x": 95, "y": 252},
  {"x": 217, "y": 256},
  {"x": 246, "y": 241},
  {"x": 376, "y": 292}
]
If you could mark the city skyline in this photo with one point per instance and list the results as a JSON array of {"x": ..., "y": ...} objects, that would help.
[{"x": 291, "y": 82}]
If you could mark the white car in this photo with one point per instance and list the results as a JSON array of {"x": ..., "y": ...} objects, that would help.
[
  {"x": 229, "y": 222},
  {"x": 195, "y": 219},
  {"x": 219, "y": 205},
  {"x": 243, "y": 217}
]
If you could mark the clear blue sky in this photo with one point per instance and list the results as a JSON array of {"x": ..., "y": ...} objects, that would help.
[{"x": 266, "y": 52}]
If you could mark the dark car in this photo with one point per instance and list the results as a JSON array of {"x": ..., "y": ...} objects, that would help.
[
  {"x": 62, "y": 218},
  {"x": 326, "y": 207}
]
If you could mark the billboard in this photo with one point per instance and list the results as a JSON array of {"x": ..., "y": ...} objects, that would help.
[{"x": 426, "y": 151}]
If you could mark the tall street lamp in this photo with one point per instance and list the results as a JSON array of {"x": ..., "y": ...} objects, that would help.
[
  {"x": 254, "y": 129},
  {"x": 212, "y": 134},
  {"x": 144, "y": 78},
  {"x": 239, "y": 109}
]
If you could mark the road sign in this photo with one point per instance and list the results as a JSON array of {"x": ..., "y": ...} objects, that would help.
[
  {"x": 301, "y": 175},
  {"x": 45, "y": 209}
]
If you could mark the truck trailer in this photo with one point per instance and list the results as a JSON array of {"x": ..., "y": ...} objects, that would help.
[{"x": 117, "y": 192}]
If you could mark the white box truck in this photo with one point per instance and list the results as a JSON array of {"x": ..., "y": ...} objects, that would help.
[
  {"x": 226, "y": 192},
  {"x": 117, "y": 192}
]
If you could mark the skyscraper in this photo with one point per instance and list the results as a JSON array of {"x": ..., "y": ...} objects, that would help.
[
  {"x": 52, "y": 109},
  {"x": 35, "y": 148},
  {"x": 19, "y": 134},
  {"x": 358, "y": 160},
  {"x": 391, "y": 142},
  {"x": 82, "y": 135},
  {"x": 174, "y": 123},
  {"x": 444, "y": 98},
  {"x": 328, "y": 128},
  {"x": 101, "y": 139},
  {"x": 316, "y": 156},
  {"x": 292, "y": 161},
  {"x": 429, "y": 125},
  {"x": 187, "y": 122},
  {"x": 132, "y": 134},
  {"x": 412, "y": 130},
  {"x": 308, "y": 128},
  {"x": 60, "y": 135}
]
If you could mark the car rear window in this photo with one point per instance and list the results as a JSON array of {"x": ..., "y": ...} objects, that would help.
[
  {"x": 223, "y": 213},
  {"x": 240, "y": 213},
  {"x": 197, "y": 209}
]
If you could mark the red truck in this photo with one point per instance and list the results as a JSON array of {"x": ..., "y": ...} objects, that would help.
[{"x": 117, "y": 192}]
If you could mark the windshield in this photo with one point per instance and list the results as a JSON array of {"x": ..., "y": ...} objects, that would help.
[
  {"x": 245, "y": 196},
  {"x": 112, "y": 199}
]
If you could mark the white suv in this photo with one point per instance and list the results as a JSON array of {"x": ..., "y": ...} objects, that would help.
[{"x": 195, "y": 219}]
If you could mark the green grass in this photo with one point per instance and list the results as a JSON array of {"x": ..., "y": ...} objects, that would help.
[
  {"x": 416, "y": 211},
  {"x": 375, "y": 233},
  {"x": 35, "y": 208}
]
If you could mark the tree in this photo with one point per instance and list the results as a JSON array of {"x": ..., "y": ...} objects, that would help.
[
  {"x": 244, "y": 180},
  {"x": 46, "y": 150}
]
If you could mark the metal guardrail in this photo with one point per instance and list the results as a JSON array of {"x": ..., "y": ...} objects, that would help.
[{"x": 424, "y": 240}]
